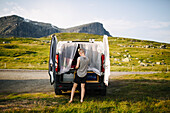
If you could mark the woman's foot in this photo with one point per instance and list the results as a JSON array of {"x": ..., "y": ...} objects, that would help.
[
  {"x": 70, "y": 101},
  {"x": 81, "y": 101}
]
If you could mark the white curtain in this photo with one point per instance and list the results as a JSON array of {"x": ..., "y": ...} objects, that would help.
[
  {"x": 93, "y": 52},
  {"x": 67, "y": 52}
]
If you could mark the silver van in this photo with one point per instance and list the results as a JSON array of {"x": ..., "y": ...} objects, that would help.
[{"x": 63, "y": 59}]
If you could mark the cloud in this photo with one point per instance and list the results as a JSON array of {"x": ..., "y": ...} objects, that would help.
[
  {"x": 149, "y": 29},
  {"x": 13, "y": 8},
  {"x": 155, "y": 24}
]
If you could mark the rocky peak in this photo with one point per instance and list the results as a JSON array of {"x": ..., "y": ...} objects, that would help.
[
  {"x": 20, "y": 27},
  {"x": 91, "y": 28}
]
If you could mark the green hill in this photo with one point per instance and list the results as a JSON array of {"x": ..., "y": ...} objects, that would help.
[{"x": 125, "y": 54}]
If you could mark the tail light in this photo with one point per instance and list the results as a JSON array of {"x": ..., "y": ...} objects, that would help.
[
  {"x": 56, "y": 64},
  {"x": 102, "y": 65}
]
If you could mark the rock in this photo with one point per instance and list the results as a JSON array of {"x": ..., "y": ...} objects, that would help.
[
  {"x": 163, "y": 63},
  {"x": 158, "y": 63},
  {"x": 125, "y": 55},
  {"x": 16, "y": 58},
  {"x": 149, "y": 62},
  {"x": 125, "y": 60},
  {"x": 147, "y": 46},
  {"x": 116, "y": 59},
  {"x": 118, "y": 53},
  {"x": 126, "y": 51},
  {"x": 129, "y": 56},
  {"x": 6, "y": 42},
  {"x": 44, "y": 62},
  {"x": 163, "y": 47},
  {"x": 139, "y": 61},
  {"x": 143, "y": 64}
]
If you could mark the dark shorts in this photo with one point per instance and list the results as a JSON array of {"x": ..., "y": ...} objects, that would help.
[{"x": 79, "y": 80}]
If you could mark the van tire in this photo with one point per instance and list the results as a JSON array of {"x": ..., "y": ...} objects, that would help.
[
  {"x": 103, "y": 91},
  {"x": 58, "y": 92}
]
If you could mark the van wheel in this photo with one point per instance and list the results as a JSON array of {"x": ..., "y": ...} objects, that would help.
[
  {"x": 103, "y": 92},
  {"x": 58, "y": 92}
]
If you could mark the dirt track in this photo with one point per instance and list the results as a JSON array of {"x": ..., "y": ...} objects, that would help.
[{"x": 23, "y": 81}]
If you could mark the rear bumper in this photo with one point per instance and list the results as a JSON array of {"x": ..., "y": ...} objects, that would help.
[{"x": 88, "y": 86}]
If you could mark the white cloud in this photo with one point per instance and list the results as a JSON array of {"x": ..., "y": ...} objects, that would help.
[
  {"x": 69, "y": 16},
  {"x": 149, "y": 30},
  {"x": 14, "y": 7}
]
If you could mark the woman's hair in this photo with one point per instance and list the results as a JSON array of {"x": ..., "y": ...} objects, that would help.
[{"x": 81, "y": 50}]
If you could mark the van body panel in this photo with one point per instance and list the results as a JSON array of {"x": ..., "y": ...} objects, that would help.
[
  {"x": 107, "y": 60},
  {"x": 52, "y": 60}
]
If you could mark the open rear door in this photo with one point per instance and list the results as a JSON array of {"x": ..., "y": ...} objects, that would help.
[
  {"x": 107, "y": 61},
  {"x": 52, "y": 60}
]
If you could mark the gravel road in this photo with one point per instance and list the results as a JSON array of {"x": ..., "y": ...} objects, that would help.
[{"x": 24, "y": 81}]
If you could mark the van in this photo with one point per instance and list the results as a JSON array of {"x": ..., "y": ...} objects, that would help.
[{"x": 63, "y": 59}]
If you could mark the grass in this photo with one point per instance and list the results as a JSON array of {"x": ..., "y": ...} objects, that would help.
[
  {"x": 33, "y": 53},
  {"x": 128, "y": 94}
]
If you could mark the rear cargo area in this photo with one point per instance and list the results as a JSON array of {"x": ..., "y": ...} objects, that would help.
[
  {"x": 68, "y": 77},
  {"x": 68, "y": 54}
]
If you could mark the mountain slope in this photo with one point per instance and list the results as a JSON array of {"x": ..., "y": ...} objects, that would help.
[
  {"x": 125, "y": 54},
  {"x": 20, "y": 27},
  {"x": 91, "y": 28}
]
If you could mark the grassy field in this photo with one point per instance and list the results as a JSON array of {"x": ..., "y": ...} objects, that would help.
[
  {"x": 125, "y": 54},
  {"x": 126, "y": 94}
]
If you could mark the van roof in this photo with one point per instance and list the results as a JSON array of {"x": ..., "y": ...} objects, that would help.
[{"x": 81, "y": 42}]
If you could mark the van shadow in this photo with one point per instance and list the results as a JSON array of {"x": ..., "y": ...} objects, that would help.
[
  {"x": 134, "y": 90},
  {"x": 118, "y": 90}
]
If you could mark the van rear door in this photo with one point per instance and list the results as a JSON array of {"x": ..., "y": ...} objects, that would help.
[
  {"x": 52, "y": 59},
  {"x": 107, "y": 60}
]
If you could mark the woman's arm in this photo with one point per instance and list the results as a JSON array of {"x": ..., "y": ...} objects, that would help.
[{"x": 78, "y": 63}]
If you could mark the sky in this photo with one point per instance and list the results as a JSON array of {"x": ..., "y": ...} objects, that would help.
[{"x": 139, "y": 19}]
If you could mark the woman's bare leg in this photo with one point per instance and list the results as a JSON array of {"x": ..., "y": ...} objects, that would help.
[
  {"x": 73, "y": 91},
  {"x": 82, "y": 91}
]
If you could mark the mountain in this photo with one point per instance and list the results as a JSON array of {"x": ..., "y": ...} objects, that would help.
[
  {"x": 20, "y": 27},
  {"x": 91, "y": 28}
]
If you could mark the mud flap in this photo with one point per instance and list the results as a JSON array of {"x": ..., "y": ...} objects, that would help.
[
  {"x": 52, "y": 60},
  {"x": 107, "y": 60}
]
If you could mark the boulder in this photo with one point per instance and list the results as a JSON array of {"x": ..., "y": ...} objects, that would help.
[
  {"x": 163, "y": 47},
  {"x": 125, "y": 60},
  {"x": 126, "y": 51},
  {"x": 147, "y": 46},
  {"x": 116, "y": 59},
  {"x": 143, "y": 64},
  {"x": 158, "y": 63}
]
